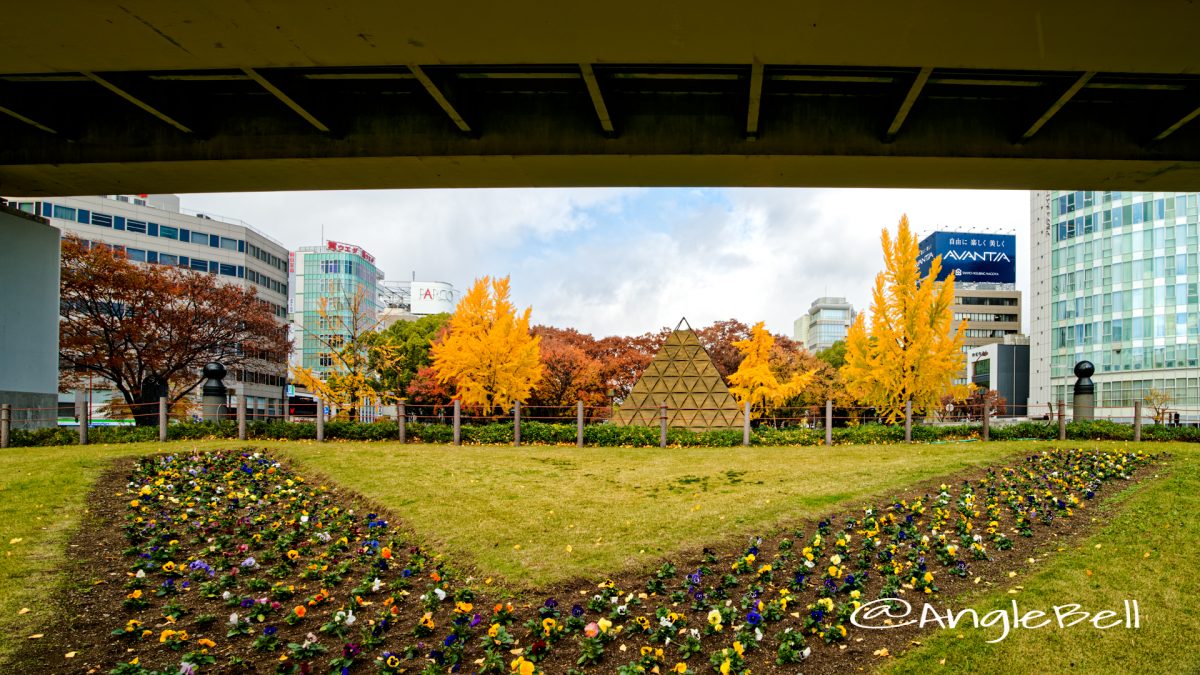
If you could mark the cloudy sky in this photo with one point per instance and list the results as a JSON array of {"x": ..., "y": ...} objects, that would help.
[{"x": 627, "y": 261}]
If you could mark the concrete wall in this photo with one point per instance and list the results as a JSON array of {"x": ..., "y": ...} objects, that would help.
[{"x": 29, "y": 274}]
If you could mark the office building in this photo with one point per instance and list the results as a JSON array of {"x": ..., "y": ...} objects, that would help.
[
  {"x": 154, "y": 229},
  {"x": 991, "y": 315},
  {"x": 1003, "y": 367},
  {"x": 335, "y": 294},
  {"x": 985, "y": 291},
  {"x": 827, "y": 321},
  {"x": 1114, "y": 281}
]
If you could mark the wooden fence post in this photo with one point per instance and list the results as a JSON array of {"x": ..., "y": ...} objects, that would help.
[
  {"x": 402, "y": 420},
  {"x": 987, "y": 419},
  {"x": 241, "y": 415},
  {"x": 457, "y": 422},
  {"x": 516, "y": 423},
  {"x": 579, "y": 424},
  {"x": 662, "y": 426},
  {"x": 908, "y": 421},
  {"x": 163, "y": 409},
  {"x": 5, "y": 424},
  {"x": 320, "y": 420},
  {"x": 1062, "y": 420},
  {"x": 81, "y": 410},
  {"x": 828, "y": 422},
  {"x": 1137, "y": 421},
  {"x": 746, "y": 423}
]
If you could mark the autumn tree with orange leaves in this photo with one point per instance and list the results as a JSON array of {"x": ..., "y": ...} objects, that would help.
[
  {"x": 912, "y": 350},
  {"x": 488, "y": 354},
  {"x": 571, "y": 373},
  {"x": 143, "y": 327}
]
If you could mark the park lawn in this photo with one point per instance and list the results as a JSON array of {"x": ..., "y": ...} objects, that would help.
[
  {"x": 1145, "y": 551},
  {"x": 538, "y": 516}
]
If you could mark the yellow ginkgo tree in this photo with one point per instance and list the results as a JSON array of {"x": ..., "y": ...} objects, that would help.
[
  {"x": 755, "y": 380},
  {"x": 912, "y": 350},
  {"x": 488, "y": 355}
]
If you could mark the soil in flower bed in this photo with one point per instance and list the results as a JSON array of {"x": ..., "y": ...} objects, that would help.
[{"x": 233, "y": 562}]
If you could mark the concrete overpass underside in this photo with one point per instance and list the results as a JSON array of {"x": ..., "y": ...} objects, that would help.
[{"x": 135, "y": 97}]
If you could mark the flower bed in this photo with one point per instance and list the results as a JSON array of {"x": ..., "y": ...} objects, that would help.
[{"x": 235, "y": 563}]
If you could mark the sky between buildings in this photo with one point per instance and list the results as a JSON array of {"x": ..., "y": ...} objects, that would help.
[{"x": 627, "y": 261}]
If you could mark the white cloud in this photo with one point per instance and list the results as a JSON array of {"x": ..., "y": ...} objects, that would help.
[
  {"x": 630, "y": 261},
  {"x": 449, "y": 235}
]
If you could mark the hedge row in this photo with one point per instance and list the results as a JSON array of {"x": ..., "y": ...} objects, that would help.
[{"x": 603, "y": 434}]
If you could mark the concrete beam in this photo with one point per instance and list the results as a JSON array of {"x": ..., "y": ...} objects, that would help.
[
  {"x": 667, "y": 117},
  {"x": 136, "y": 101},
  {"x": 33, "y": 123},
  {"x": 1057, "y": 105},
  {"x": 755, "y": 104},
  {"x": 440, "y": 98},
  {"x": 593, "y": 87},
  {"x": 593, "y": 170},
  {"x": 129, "y": 35},
  {"x": 285, "y": 99},
  {"x": 1178, "y": 125},
  {"x": 914, "y": 91}
]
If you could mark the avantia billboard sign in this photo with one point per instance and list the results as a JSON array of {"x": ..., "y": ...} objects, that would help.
[{"x": 972, "y": 257}]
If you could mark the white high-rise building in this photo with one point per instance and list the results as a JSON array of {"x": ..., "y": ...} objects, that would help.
[{"x": 1114, "y": 282}]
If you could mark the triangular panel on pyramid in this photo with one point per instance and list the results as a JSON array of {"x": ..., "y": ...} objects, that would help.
[{"x": 682, "y": 376}]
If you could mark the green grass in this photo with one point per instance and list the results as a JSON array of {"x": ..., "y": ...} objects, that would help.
[
  {"x": 1156, "y": 518},
  {"x": 616, "y": 508}
]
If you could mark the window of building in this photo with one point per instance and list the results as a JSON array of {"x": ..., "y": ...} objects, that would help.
[
  {"x": 64, "y": 212},
  {"x": 168, "y": 232},
  {"x": 199, "y": 238},
  {"x": 135, "y": 226}
]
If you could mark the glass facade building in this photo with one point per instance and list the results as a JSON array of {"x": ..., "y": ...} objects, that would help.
[
  {"x": 336, "y": 292},
  {"x": 1115, "y": 283}
]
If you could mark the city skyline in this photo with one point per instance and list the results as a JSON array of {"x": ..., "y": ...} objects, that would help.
[{"x": 628, "y": 261}]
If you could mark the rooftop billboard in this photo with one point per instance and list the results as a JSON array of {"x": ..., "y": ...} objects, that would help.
[{"x": 972, "y": 257}]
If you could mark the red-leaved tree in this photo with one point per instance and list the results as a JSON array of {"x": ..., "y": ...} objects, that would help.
[
  {"x": 149, "y": 328},
  {"x": 570, "y": 374}
]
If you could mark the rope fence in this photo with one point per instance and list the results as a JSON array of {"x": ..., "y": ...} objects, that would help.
[{"x": 810, "y": 424}]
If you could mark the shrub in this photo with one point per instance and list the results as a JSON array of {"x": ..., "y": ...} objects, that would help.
[{"x": 603, "y": 434}]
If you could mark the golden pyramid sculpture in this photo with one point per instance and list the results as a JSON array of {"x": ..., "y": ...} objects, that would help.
[{"x": 682, "y": 376}]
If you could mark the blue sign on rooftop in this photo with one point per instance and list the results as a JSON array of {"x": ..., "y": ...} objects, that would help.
[{"x": 972, "y": 257}]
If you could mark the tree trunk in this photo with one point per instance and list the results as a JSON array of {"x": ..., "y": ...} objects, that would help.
[{"x": 145, "y": 409}]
